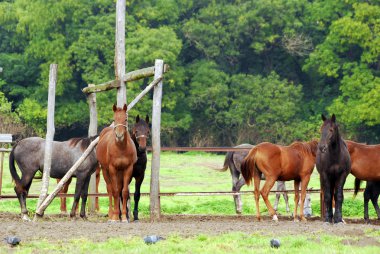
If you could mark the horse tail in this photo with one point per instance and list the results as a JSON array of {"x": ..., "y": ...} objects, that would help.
[
  {"x": 248, "y": 167},
  {"x": 357, "y": 186},
  {"x": 12, "y": 167},
  {"x": 226, "y": 161}
]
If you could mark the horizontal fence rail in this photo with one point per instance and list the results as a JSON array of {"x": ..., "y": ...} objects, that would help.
[{"x": 171, "y": 194}]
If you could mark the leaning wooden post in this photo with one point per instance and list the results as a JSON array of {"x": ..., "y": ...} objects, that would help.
[
  {"x": 120, "y": 53},
  {"x": 92, "y": 131},
  {"x": 40, "y": 210},
  {"x": 156, "y": 144},
  {"x": 49, "y": 134}
]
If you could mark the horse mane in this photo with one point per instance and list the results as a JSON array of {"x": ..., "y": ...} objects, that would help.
[
  {"x": 85, "y": 142},
  {"x": 305, "y": 147}
]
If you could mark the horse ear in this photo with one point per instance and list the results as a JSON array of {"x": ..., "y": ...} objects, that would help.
[
  {"x": 125, "y": 107},
  {"x": 323, "y": 117},
  {"x": 333, "y": 118},
  {"x": 114, "y": 107},
  {"x": 147, "y": 119},
  {"x": 137, "y": 118}
]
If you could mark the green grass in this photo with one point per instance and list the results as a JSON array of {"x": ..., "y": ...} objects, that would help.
[
  {"x": 226, "y": 243},
  {"x": 189, "y": 172}
]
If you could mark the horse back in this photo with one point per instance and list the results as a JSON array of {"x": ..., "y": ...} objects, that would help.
[{"x": 365, "y": 161}]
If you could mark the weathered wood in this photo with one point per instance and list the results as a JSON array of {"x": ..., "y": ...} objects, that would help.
[
  {"x": 5, "y": 138},
  {"x": 156, "y": 144},
  {"x": 92, "y": 131},
  {"x": 40, "y": 210},
  {"x": 130, "y": 76},
  {"x": 143, "y": 93},
  {"x": 1, "y": 170},
  {"x": 120, "y": 53},
  {"x": 49, "y": 133}
]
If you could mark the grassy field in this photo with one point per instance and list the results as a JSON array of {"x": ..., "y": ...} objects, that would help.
[{"x": 189, "y": 172}]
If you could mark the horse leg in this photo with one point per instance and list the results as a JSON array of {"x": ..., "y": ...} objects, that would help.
[
  {"x": 107, "y": 179},
  {"x": 136, "y": 196},
  {"x": 97, "y": 176},
  {"x": 78, "y": 189},
  {"x": 366, "y": 201},
  {"x": 238, "y": 202},
  {"x": 286, "y": 198},
  {"x": 63, "y": 199},
  {"x": 265, "y": 192},
  {"x": 296, "y": 199},
  {"x": 22, "y": 192},
  {"x": 338, "y": 195},
  {"x": 328, "y": 192},
  {"x": 116, "y": 184},
  {"x": 256, "y": 180},
  {"x": 235, "y": 180},
  {"x": 376, "y": 206},
  {"x": 84, "y": 194},
  {"x": 127, "y": 174},
  {"x": 304, "y": 183},
  {"x": 278, "y": 196}
]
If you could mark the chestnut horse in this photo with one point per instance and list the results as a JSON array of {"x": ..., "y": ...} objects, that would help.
[
  {"x": 116, "y": 154},
  {"x": 333, "y": 164},
  {"x": 284, "y": 163},
  {"x": 365, "y": 161}
]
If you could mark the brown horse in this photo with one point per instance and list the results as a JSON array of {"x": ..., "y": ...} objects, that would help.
[
  {"x": 284, "y": 163},
  {"x": 365, "y": 161},
  {"x": 116, "y": 154}
]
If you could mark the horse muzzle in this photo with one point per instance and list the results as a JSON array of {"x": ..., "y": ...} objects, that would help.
[{"x": 119, "y": 137}]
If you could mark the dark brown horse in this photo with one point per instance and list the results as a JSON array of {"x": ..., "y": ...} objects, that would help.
[
  {"x": 333, "y": 164},
  {"x": 284, "y": 163},
  {"x": 140, "y": 134},
  {"x": 116, "y": 154},
  {"x": 29, "y": 155}
]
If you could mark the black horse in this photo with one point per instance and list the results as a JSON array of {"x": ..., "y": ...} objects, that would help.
[
  {"x": 140, "y": 134},
  {"x": 333, "y": 164},
  {"x": 29, "y": 155},
  {"x": 371, "y": 192}
]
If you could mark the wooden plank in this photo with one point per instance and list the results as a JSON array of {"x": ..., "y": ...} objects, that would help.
[
  {"x": 156, "y": 144},
  {"x": 1, "y": 170},
  {"x": 5, "y": 138},
  {"x": 92, "y": 131},
  {"x": 130, "y": 76},
  {"x": 120, "y": 53},
  {"x": 49, "y": 134},
  {"x": 143, "y": 93}
]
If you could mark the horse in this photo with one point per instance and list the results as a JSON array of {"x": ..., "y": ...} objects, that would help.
[
  {"x": 117, "y": 154},
  {"x": 371, "y": 192},
  {"x": 29, "y": 156},
  {"x": 233, "y": 161},
  {"x": 284, "y": 163},
  {"x": 333, "y": 164},
  {"x": 365, "y": 160},
  {"x": 140, "y": 134}
]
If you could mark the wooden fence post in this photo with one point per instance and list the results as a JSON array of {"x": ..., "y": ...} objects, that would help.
[
  {"x": 92, "y": 131},
  {"x": 49, "y": 133},
  {"x": 120, "y": 53},
  {"x": 155, "y": 209}
]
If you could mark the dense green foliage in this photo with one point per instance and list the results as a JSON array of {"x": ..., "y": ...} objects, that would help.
[{"x": 241, "y": 71}]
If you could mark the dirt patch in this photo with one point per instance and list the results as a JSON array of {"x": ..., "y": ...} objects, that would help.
[{"x": 57, "y": 228}]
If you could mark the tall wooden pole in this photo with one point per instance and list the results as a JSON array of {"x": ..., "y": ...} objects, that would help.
[
  {"x": 120, "y": 53},
  {"x": 156, "y": 144},
  {"x": 92, "y": 131},
  {"x": 49, "y": 133}
]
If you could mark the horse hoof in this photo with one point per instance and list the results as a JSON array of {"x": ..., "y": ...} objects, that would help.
[
  {"x": 303, "y": 219},
  {"x": 113, "y": 221},
  {"x": 296, "y": 220},
  {"x": 136, "y": 221},
  {"x": 275, "y": 218},
  {"x": 125, "y": 221},
  {"x": 25, "y": 217}
]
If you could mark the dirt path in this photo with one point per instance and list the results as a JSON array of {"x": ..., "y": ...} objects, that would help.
[{"x": 57, "y": 228}]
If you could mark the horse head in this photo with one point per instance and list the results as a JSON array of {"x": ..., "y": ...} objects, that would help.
[
  {"x": 330, "y": 133},
  {"x": 120, "y": 125},
  {"x": 141, "y": 132}
]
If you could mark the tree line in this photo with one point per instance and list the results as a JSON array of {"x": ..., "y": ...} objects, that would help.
[{"x": 240, "y": 71}]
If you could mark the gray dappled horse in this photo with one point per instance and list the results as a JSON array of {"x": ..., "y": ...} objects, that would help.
[
  {"x": 29, "y": 155},
  {"x": 233, "y": 161}
]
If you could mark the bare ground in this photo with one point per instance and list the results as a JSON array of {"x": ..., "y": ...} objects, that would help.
[{"x": 58, "y": 228}]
